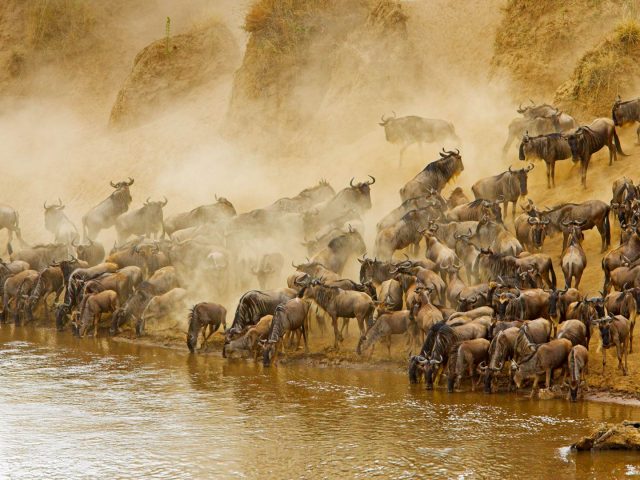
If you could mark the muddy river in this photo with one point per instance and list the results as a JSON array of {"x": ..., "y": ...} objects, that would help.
[{"x": 97, "y": 408}]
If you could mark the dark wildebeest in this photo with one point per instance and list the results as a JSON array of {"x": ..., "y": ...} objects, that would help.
[
  {"x": 253, "y": 305},
  {"x": 404, "y": 233},
  {"x": 214, "y": 213},
  {"x": 573, "y": 259},
  {"x": 268, "y": 269},
  {"x": 595, "y": 213},
  {"x": 306, "y": 199},
  {"x": 375, "y": 271},
  {"x": 587, "y": 140},
  {"x": 624, "y": 198},
  {"x": 506, "y": 187},
  {"x": 205, "y": 316},
  {"x": 614, "y": 331},
  {"x": 531, "y": 231},
  {"x": 290, "y": 317},
  {"x": 339, "y": 303},
  {"x": 457, "y": 197},
  {"x": 49, "y": 281},
  {"x": 559, "y": 301},
  {"x": 411, "y": 129},
  {"x": 407, "y": 206},
  {"x": 249, "y": 341},
  {"x": 9, "y": 220},
  {"x": 578, "y": 366},
  {"x": 624, "y": 303},
  {"x": 41, "y": 256},
  {"x": 624, "y": 113},
  {"x": 501, "y": 350},
  {"x": 105, "y": 213},
  {"x": 434, "y": 176},
  {"x": 550, "y": 148},
  {"x": 625, "y": 253},
  {"x": 146, "y": 220},
  {"x": 544, "y": 359},
  {"x": 335, "y": 255},
  {"x": 57, "y": 222},
  {"x": 92, "y": 252},
  {"x": 491, "y": 266}
]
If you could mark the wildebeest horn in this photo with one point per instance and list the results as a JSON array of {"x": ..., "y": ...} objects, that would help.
[
  {"x": 566, "y": 223},
  {"x": 520, "y": 109},
  {"x": 130, "y": 182},
  {"x": 529, "y": 167},
  {"x": 532, "y": 220},
  {"x": 457, "y": 152},
  {"x": 45, "y": 205},
  {"x": 483, "y": 366},
  {"x": 545, "y": 221},
  {"x": 165, "y": 201},
  {"x": 373, "y": 180},
  {"x": 146, "y": 202},
  {"x": 351, "y": 182},
  {"x": 294, "y": 265},
  {"x": 510, "y": 171},
  {"x": 113, "y": 184}
]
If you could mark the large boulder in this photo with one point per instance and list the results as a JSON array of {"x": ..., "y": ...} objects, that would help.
[{"x": 625, "y": 436}]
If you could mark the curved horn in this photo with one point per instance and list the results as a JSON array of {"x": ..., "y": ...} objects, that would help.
[
  {"x": 45, "y": 205},
  {"x": 457, "y": 152},
  {"x": 529, "y": 167},
  {"x": 351, "y": 182},
  {"x": 165, "y": 201},
  {"x": 373, "y": 180},
  {"x": 146, "y": 202},
  {"x": 510, "y": 171},
  {"x": 113, "y": 184},
  {"x": 130, "y": 182}
]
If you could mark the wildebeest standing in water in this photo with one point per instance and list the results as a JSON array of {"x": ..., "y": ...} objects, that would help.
[
  {"x": 626, "y": 112},
  {"x": 406, "y": 131},
  {"x": 589, "y": 139},
  {"x": 550, "y": 148},
  {"x": 105, "y": 213},
  {"x": 9, "y": 220},
  {"x": 508, "y": 186},
  {"x": 434, "y": 176},
  {"x": 146, "y": 220},
  {"x": 57, "y": 222}
]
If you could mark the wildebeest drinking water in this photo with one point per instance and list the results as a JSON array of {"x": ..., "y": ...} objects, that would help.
[{"x": 406, "y": 131}]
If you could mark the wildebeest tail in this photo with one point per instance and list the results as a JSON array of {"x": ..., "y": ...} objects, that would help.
[
  {"x": 607, "y": 227},
  {"x": 552, "y": 272},
  {"x": 617, "y": 141}
]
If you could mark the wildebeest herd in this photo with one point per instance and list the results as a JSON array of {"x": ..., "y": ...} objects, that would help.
[{"x": 472, "y": 297}]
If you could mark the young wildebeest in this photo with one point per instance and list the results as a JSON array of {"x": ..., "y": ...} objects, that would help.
[
  {"x": 545, "y": 359},
  {"x": 93, "y": 306},
  {"x": 506, "y": 187},
  {"x": 471, "y": 353},
  {"x": 624, "y": 303},
  {"x": 389, "y": 322},
  {"x": 434, "y": 176},
  {"x": 341, "y": 303},
  {"x": 249, "y": 341},
  {"x": 624, "y": 113},
  {"x": 587, "y": 140},
  {"x": 411, "y": 129},
  {"x": 288, "y": 317},
  {"x": 614, "y": 331},
  {"x": 203, "y": 316},
  {"x": 578, "y": 366},
  {"x": 550, "y": 148},
  {"x": 573, "y": 259}
]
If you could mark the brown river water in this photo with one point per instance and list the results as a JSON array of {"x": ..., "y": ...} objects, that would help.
[{"x": 90, "y": 408}]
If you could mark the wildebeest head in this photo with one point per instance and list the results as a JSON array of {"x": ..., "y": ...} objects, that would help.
[
  {"x": 554, "y": 296},
  {"x": 228, "y": 206},
  {"x": 391, "y": 131},
  {"x": 361, "y": 193},
  {"x": 538, "y": 229},
  {"x": 521, "y": 175},
  {"x": 537, "y": 111},
  {"x": 574, "y": 230},
  {"x": 604, "y": 325},
  {"x": 52, "y": 215},
  {"x": 576, "y": 142}
]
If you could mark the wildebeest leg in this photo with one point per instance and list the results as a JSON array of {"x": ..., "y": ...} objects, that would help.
[
  {"x": 388, "y": 342},
  {"x": 577, "y": 277},
  {"x": 604, "y": 359},
  {"x": 96, "y": 322},
  {"x": 9, "y": 240},
  {"x": 619, "y": 347},
  {"x": 638, "y": 135},
  {"x": 345, "y": 325},
  {"x": 402, "y": 149},
  {"x": 304, "y": 336},
  {"x": 336, "y": 333},
  {"x": 583, "y": 171},
  {"x": 612, "y": 152},
  {"x": 548, "y": 174}
]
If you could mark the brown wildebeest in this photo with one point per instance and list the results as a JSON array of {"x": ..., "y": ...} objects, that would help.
[
  {"x": 506, "y": 187},
  {"x": 11, "y": 291},
  {"x": 49, "y": 281},
  {"x": 587, "y": 140},
  {"x": 532, "y": 332},
  {"x": 573, "y": 258},
  {"x": 390, "y": 294},
  {"x": 559, "y": 301},
  {"x": 475, "y": 210},
  {"x": 624, "y": 303},
  {"x": 578, "y": 366},
  {"x": 490, "y": 266},
  {"x": 544, "y": 359},
  {"x": 434, "y": 176},
  {"x": 411, "y": 129},
  {"x": 93, "y": 306},
  {"x": 214, "y": 213},
  {"x": 531, "y": 231},
  {"x": 163, "y": 307},
  {"x": 146, "y": 220},
  {"x": 586, "y": 310},
  {"x": 614, "y": 332},
  {"x": 335, "y": 255},
  {"x": 416, "y": 203},
  {"x": 92, "y": 252},
  {"x": 423, "y": 312},
  {"x": 628, "y": 252},
  {"x": 457, "y": 197},
  {"x": 501, "y": 350},
  {"x": 9, "y": 219},
  {"x": 388, "y": 323},
  {"x": 550, "y": 148},
  {"x": 338, "y": 303},
  {"x": 404, "y": 233},
  {"x": 249, "y": 341},
  {"x": 624, "y": 113},
  {"x": 105, "y": 213},
  {"x": 288, "y": 317},
  {"x": 41, "y": 256},
  {"x": 439, "y": 253},
  {"x": 205, "y": 316},
  {"x": 471, "y": 353},
  {"x": 575, "y": 331},
  {"x": 595, "y": 213}
]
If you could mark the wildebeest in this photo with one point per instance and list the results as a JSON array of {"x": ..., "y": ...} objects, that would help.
[
  {"x": 388, "y": 323},
  {"x": 501, "y": 350},
  {"x": 575, "y": 331},
  {"x": 550, "y": 148},
  {"x": 627, "y": 252},
  {"x": 91, "y": 252},
  {"x": 434, "y": 176},
  {"x": 288, "y": 317},
  {"x": 559, "y": 301},
  {"x": 573, "y": 258},
  {"x": 105, "y": 213},
  {"x": 57, "y": 222},
  {"x": 14, "y": 286},
  {"x": 49, "y": 281},
  {"x": 531, "y": 231},
  {"x": 205, "y": 316},
  {"x": 470, "y": 354},
  {"x": 626, "y": 112},
  {"x": 614, "y": 331},
  {"x": 338, "y": 303},
  {"x": 9, "y": 219},
  {"x": 624, "y": 303},
  {"x": 253, "y": 305},
  {"x": 473, "y": 211},
  {"x": 587, "y": 140},
  {"x": 491, "y": 266},
  {"x": 248, "y": 342},
  {"x": 497, "y": 238},
  {"x": 405, "y": 207},
  {"x": 578, "y": 366},
  {"x": 93, "y": 306},
  {"x": 306, "y": 199},
  {"x": 268, "y": 269},
  {"x": 162, "y": 309},
  {"x": 335, "y": 255},
  {"x": 506, "y": 187},
  {"x": 375, "y": 271},
  {"x": 146, "y": 220},
  {"x": 41, "y": 256},
  {"x": 624, "y": 199},
  {"x": 214, "y": 213},
  {"x": 404, "y": 233},
  {"x": 544, "y": 359},
  {"x": 595, "y": 213},
  {"x": 406, "y": 131}
]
